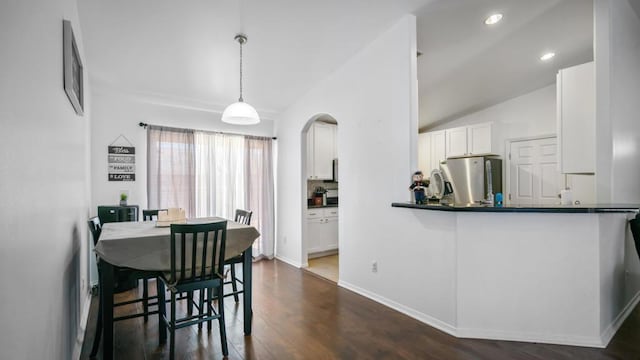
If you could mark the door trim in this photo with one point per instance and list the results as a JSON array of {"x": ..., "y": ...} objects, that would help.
[{"x": 507, "y": 150}]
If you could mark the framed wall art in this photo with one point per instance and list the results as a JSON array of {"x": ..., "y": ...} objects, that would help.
[{"x": 72, "y": 68}]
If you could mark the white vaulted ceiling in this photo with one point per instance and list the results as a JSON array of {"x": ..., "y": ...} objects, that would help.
[
  {"x": 183, "y": 52},
  {"x": 467, "y": 66}
]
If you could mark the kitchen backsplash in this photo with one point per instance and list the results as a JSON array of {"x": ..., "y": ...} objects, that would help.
[{"x": 313, "y": 184}]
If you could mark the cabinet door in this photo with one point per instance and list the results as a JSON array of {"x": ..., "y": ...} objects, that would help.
[
  {"x": 456, "y": 142},
  {"x": 315, "y": 213},
  {"x": 424, "y": 153},
  {"x": 438, "y": 150},
  {"x": 331, "y": 212},
  {"x": 330, "y": 242},
  {"x": 310, "y": 170},
  {"x": 323, "y": 150},
  {"x": 316, "y": 233},
  {"x": 583, "y": 188},
  {"x": 576, "y": 118},
  {"x": 479, "y": 139}
]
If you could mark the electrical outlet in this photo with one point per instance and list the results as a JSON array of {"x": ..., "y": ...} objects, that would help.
[{"x": 374, "y": 267}]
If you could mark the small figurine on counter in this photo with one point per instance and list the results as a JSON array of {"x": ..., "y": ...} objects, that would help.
[{"x": 418, "y": 187}]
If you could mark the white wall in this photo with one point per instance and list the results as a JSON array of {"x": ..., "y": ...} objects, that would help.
[
  {"x": 119, "y": 113},
  {"x": 528, "y": 115},
  {"x": 617, "y": 55},
  {"x": 373, "y": 98},
  {"x": 618, "y": 88},
  {"x": 44, "y": 186}
]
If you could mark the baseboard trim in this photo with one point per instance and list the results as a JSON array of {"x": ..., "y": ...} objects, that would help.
[
  {"x": 82, "y": 329},
  {"x": 429, "y": 320},
  {"x": 320, "y": 254},
  {"x": 289, "y": 261},
  {"x": 485, "y": 334},
  {"x": 615, "y": 325}
]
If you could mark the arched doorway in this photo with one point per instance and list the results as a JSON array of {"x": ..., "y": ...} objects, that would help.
[{"x": 320, "y": 178}]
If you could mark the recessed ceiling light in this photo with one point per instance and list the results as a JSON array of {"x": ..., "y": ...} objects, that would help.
[
  {"x": 493, "y": 19},
  {"x": 547, "y": 56}
]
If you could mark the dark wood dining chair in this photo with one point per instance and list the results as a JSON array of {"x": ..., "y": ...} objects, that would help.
[
  {"x": 95, "y": 227},
  {"x": 147, "y": 215},
  {"x": 197, "y": 263},
  {"x": 242, "y": 217}
]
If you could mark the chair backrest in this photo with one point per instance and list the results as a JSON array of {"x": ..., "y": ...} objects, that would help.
[
  {"x": 147, "y": 215},
  {"x": 96, "y": 228},
  {"x": 201, "y": 247},
  {"x": 243, "y": 216}
]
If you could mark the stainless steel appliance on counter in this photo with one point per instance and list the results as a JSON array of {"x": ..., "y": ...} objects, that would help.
[
  {"x": 469, "y": 177},
  {"x": 332, "y": 197}
]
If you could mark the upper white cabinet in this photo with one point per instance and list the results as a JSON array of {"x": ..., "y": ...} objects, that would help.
[
  {"x": 424, "y": 153},
  {"x": 438, "y": 149},
  {"x": 321, "y": 150},
  {"x": 456, "y": 141},
  {"x": 576, "y": 120},
  {"x": 431, "y": 151},
  {"x": 479, "y": 139},
  {"x": 436, "y": 146},
  {"x": 469, "y": 140}
]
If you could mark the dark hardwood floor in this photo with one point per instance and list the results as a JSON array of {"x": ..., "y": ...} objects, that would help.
[{"x": 298, "y": 315}]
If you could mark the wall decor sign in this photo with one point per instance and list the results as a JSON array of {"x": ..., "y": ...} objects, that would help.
[
  {"x": 72, "y": 68},
  {"x": 121, "y": 161}
]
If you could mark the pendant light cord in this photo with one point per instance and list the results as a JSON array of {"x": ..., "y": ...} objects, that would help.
[{"x": 241, "y": 100}]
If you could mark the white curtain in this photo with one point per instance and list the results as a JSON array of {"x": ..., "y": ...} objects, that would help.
[
  {"x": 236, "y": 172},
  {"x": 170, "y": 169},
  {"x": 260, "y": 192},
  {"x": 220, "y": 174}
]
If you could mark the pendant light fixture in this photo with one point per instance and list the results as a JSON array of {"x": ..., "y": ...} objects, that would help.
[{"x": 240, "y": 113}]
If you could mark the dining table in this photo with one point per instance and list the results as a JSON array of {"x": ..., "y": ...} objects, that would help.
[{"x": 146, "y": 247}]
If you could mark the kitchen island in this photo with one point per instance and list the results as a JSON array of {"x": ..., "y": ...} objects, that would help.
[{"x": 552, "y": 274}]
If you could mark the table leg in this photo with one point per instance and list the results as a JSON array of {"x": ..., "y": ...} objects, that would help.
[
  {"x": 162, "y": 311},
  {"x": 106, "y": 299},
  {"x": 247, "y": 263}
]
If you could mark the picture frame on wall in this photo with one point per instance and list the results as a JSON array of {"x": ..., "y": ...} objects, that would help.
[{"x": 72, "y": 69}]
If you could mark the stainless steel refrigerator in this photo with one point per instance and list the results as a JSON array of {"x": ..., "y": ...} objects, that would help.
[{"x": 470, "y": 176}]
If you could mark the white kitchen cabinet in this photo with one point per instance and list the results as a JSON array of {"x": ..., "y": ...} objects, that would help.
[
  {"x": 469, "y": 140},
  {"x": 322, "y": 229},
  {"x": 321, "y": 150},
  {"x": 583, "y": 188},
  {"x": 438, "y": 150},
  {"x": 576, "y": 119},
  {"x": 479, "y": 139},
  {"x": 424, "y": 153},
  {"x": 431, "y": 151},
  {"x": 456, "y": 142}
]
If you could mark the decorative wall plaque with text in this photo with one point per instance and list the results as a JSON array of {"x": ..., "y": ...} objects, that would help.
[{"x": 122, "y": 162}]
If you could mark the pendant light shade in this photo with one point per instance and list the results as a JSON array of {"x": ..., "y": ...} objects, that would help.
[{"x": 240, "y": 113}]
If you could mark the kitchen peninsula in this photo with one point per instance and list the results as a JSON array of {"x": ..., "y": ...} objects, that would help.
[{"x": 539, "y": 273}]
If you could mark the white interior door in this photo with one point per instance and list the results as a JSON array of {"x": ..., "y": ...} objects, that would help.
[{"x": 534, "y": 177}]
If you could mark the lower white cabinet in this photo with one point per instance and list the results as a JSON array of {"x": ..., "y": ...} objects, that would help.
[{"x": 322, "y": 229}]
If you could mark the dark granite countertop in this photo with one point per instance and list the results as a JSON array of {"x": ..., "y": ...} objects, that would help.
[{"x": 584, "y": 208}]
